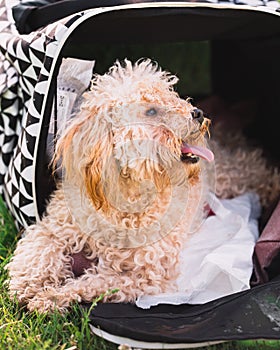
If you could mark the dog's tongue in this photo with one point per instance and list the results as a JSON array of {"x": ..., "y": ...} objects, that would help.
[{"x": 201, "y": 152}]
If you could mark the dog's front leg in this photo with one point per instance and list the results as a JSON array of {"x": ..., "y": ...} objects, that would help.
[
  {"x": 89, "y": 286},
  {"x": 40, "y": 265}
]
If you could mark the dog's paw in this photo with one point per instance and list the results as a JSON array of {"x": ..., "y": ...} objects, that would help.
[{"x": 51, "y": 301}]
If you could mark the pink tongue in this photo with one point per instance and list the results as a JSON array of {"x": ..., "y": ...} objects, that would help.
[{"x": 202, "y": 152}]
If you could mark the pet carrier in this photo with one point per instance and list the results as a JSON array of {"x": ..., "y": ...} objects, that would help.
[{"x": 236, "y": 48}]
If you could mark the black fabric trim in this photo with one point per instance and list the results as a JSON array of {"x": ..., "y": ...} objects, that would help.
[{"x": 44, "y": 179}]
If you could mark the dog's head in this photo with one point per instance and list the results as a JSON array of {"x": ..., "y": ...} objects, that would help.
[{"x": 133, "y": 137}]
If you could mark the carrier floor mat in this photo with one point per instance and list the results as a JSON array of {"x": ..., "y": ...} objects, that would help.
[{"x": 252, "y": 314}]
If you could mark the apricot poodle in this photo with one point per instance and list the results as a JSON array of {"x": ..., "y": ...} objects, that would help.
[{"x": 137, "y": 165}]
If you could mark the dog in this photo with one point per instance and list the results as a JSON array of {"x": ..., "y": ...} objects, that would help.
[{"x": 137, "y": 164}]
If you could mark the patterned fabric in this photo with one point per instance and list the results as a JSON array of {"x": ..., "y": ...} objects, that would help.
[
  {"x": 25, "y": 65},
  {"x": 272, "y": 4}
]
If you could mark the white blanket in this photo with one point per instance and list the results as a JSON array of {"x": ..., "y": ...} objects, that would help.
[{"x": 217, "y": 260}]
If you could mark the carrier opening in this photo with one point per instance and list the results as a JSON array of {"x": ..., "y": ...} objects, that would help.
[{"x": 227, "y": 63}]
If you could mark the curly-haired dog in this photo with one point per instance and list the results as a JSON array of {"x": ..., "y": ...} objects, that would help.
[{"x": 136, "y": 175}]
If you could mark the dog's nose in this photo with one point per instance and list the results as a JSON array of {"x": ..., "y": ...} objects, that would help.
[{"x": 198, "y": 115}]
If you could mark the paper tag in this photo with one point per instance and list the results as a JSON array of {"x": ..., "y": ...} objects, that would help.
[
  {"x": 65, "y": 104},
  {"x": 72, "y": 81}
]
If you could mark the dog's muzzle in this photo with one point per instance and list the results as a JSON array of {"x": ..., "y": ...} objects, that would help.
[{"x": 192, "y": 154}]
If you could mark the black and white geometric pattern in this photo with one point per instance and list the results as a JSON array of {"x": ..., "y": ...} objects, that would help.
[
  {"x": 26, "y": 69},
  {"x": 272, "y": 4},
  {"x": 25, "y": 65}
]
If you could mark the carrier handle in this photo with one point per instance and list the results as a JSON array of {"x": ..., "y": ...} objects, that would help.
[{"x": 32, "y": 15}]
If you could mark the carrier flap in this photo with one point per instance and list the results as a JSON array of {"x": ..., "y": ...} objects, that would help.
[
  {"x": 32, "y": 15},
  {"x": 252, "y": 314}
]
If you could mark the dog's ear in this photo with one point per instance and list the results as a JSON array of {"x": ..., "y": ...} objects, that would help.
[
  {"x": 83, "y": 152},
  {"x": 96, "y": 174}
]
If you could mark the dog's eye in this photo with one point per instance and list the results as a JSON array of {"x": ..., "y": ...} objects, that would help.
[{"x": 151, "y": 112}]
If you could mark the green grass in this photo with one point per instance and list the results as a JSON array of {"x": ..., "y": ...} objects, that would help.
[{"x": 23, "y": 330}]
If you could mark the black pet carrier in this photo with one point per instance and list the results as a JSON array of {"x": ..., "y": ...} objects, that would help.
[{"x": 233, "y": 46}]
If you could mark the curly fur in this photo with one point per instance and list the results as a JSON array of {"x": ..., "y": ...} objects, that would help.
[{"x": 127, "y": 201}]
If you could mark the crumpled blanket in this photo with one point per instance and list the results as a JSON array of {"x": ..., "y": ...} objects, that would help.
[{"x": 217, "y": 260}]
